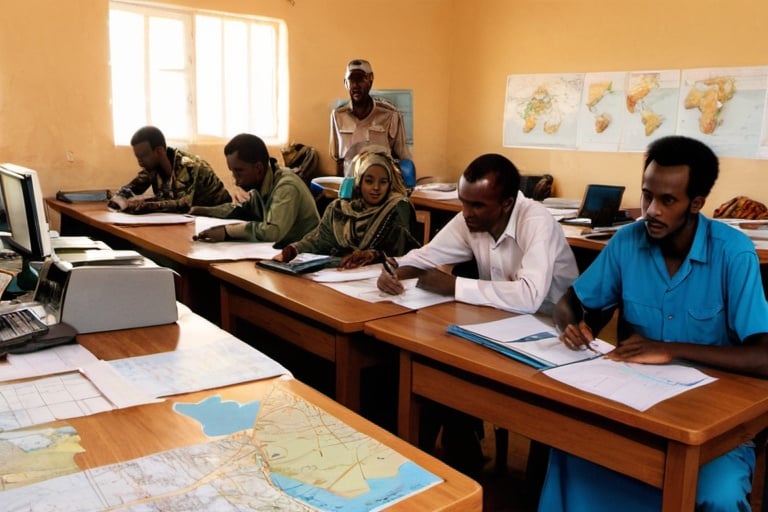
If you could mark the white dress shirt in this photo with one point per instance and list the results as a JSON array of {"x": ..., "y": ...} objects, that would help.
[{"x": 526, "y": 270}]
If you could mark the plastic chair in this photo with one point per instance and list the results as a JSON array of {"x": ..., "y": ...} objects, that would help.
[{"x": 408, "y": 170}]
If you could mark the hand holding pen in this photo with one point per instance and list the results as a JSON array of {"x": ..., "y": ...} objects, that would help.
[
  {"x": 577, "y": 336},
  {"x": 388, "y": 281}
]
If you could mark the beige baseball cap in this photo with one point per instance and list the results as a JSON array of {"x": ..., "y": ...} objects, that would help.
[{"x": 358, "y": 65}]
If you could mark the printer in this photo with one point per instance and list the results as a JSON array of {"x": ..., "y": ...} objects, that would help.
[{"x": 106, "y": 297}]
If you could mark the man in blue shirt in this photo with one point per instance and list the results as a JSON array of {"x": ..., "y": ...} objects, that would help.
[{"x": 688, "y": 288}]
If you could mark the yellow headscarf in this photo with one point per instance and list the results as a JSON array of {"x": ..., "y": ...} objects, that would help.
[
  {"x": 356, "y": 224},
  {"x": 370, "y": 156}
]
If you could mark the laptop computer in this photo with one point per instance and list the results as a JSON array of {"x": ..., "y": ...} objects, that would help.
[{"x": 600, "y": 206}]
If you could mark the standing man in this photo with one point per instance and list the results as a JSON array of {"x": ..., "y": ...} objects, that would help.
[
  {"x": 365, "y": 120},
  {"x": 688, "y": 288},
  {"x": 279, "y": 207},
  {"x": 179, "y": 180}
]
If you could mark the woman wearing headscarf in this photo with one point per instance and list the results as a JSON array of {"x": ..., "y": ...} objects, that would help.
[{"x": 374, "y": 223}]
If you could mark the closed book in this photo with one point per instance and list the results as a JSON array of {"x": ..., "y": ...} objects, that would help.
[{"x": 301, "y": 264}]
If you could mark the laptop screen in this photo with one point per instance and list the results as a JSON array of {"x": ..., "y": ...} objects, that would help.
[{"x": 601, "y": 204}]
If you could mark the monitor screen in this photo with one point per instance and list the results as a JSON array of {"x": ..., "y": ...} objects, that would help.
[
  {"x": 25, "y": 212},
  {"x": 601, "y": 204}
]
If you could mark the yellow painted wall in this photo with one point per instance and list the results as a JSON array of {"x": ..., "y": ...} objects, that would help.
[
  {"x": 495, "y": 38},
  {"x": 455, "y": 55},
  {"x": 55, "y": 84}
]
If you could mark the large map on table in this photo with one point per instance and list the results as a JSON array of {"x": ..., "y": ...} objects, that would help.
[{"x": 297, "y": 457}]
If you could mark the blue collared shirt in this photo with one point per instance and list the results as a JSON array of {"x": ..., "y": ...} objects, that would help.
[{"x": 715, "y": 298}]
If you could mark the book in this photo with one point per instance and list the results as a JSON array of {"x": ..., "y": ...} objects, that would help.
[
  {"x": 301, "y": 264},
  {"x": 528, "y": 339}
]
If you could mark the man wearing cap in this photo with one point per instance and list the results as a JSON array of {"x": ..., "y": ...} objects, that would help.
[{"x": 365, "y": 120}]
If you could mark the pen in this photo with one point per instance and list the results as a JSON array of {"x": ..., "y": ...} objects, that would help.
[
  {"x": 587, "y": 345},
  {"x": 388, "y": 267}
]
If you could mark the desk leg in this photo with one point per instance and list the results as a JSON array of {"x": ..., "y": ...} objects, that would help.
[
  {"x": 227, "y": 323},
  {"x": 348, "y": 367},
  {"x": 407, "y": 408},
  {"x": 681, "y": 476}
]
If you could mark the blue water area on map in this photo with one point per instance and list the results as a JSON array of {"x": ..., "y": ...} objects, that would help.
[
  {"x": 220, "y": 418},
  {"x": 410, "y": 479}
]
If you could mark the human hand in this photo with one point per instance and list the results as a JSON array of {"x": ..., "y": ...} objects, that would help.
[
  {"x": 240, "y": 196},
  {"x": 639, "y": 349},
  {"x": 117, "y": 203},
  {"x": 134, "y": 205},
  {"x": 359, "y": 258},
  {"x": 388, "y": 281},
  {"x": 288, "y": 253},
  {"x": 437, "y": 281},
  {"x": 212, "y": 235},
  {"x": 576, "y": 336}
]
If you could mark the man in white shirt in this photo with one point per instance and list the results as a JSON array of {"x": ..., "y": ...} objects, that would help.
[
  {"x": 524, "y": 265},
  {"x": 523, "y": 261}
]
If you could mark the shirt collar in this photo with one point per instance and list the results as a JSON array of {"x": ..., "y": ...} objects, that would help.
[
  {"x": 699, "y": 247},
  {"x": 268, "y": 182},
  {"x": 511, "y": 229}
]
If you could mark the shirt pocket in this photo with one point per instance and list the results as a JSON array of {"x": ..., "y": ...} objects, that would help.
[
  {"x": 643, "y": 319},
  {"x": 706, "y": 325},
  {"x": 378, "y": 135}
]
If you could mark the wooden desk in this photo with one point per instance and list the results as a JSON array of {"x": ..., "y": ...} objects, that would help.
[
  {"x": 168, "y": 245},
  {"x": 663, "y": 446},
  {"x": 149, "y": 429},
  {"x": 307, "y": 314}
]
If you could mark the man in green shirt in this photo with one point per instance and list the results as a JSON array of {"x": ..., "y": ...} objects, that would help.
[
  {"x": 179, "y": 180},
  {"x": 280, "y": 207}
]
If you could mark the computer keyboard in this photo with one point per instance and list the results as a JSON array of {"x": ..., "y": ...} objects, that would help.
[{"x": 19, "y": 326}]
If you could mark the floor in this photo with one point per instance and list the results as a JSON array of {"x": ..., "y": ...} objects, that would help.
[{"x": 507, "y": 489}]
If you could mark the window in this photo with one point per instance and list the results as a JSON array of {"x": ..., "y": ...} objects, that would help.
[{"x": 197, "y": 75}]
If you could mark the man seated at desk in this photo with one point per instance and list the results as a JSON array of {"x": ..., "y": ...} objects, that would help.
[
  {"x": 688, "y": 288},
  {"x": 523, "y": 262},
  {"x": 179, "y": 180},
  {"x": 279, "y": 207}
]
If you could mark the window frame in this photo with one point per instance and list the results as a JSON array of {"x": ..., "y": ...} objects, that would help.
[{"x": 187, "y": 15}]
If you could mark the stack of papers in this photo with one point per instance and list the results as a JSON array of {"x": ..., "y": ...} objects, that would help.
[
  {"x": 437, "y": 191},
  {"x": 563, "y": 213},
  {"x": 529, "y": 340}
]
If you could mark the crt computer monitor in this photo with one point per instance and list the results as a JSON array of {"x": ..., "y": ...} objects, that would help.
[{"x": 26, "y": 218}]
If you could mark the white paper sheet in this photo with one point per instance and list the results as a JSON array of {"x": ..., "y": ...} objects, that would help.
[
  {"x": 412, "y": 298},
  {"x": 61, "y": 359},
  {"x": 146, "y": 219},
  {"x": 639, "y": 386},
  {"x": 232, "y": 251},
  {"x": 203, "y": 223},
  {"x": 335, "y": 275},
  {"x": 221, "y": 362}
]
